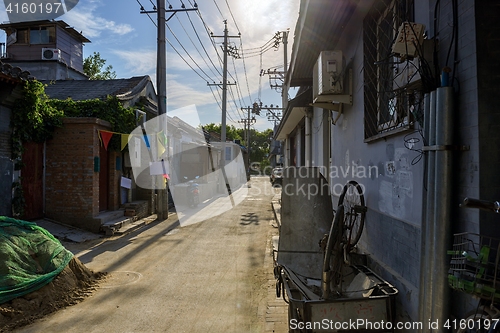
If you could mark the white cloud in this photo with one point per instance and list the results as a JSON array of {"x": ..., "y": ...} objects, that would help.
[
  {"x": 136, "y": 61},
  {"x": 84, "y": 18},
  {"x": 180, "y": 94}
]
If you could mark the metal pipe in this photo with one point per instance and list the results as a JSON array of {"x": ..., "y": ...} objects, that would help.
[
  {"x": 424, "y": 229},
  {"x": 427, "y": 231},
  {"x": 442, "y": 204},
  {"x": 308, "y": 138}
]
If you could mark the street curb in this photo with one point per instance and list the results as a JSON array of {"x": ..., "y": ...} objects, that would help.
[{"x": 134, "y": 226}]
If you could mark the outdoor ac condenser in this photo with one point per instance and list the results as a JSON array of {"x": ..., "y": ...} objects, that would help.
[
  {"x": 328, "y": 73},
  {"x": 51, "y": 54}
]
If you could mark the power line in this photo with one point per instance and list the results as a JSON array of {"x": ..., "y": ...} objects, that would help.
[
  {"x": 204, "y": 49},
  {"x": 209, "y": 78},
  {"x": 246, "y": 75},
  {"x": 238, "y": 90},
  {"x": 231, "y": 12},
  {"x": 173, "y": 47},
  {"x": 194, "y": 45},
  {"x": 216, "y": 5},
  {"x": 143, "y": 10}
]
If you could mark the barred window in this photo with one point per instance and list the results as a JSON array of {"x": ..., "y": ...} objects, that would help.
[{"x": 388, "y": 107}]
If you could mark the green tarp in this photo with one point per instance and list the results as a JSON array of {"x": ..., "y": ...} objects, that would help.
[{"x": 30, "y": 257}]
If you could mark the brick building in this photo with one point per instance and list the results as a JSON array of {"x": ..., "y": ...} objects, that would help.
[{"x": 82, "y": 178}]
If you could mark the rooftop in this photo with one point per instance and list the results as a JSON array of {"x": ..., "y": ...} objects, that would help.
[
  {"x": 20, "y": 25},
  {"x": 79, "y": 90}
]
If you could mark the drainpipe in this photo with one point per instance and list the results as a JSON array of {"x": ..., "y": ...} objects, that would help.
[
  {"x": 425, "y": 303},
  {"x": 442, "y": 203},
  {"x": 286, "y": 157},
  {"x": 436, "y": 240},
  {"x": 308, "y": 146}
]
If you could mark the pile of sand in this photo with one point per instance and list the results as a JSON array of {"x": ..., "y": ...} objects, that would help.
[{"x": 71, "y": 286}]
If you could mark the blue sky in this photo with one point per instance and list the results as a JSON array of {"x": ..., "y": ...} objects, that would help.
[{"x": 127, "y": 40}]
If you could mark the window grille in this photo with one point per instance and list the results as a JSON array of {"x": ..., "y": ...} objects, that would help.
[{"x": 388, "y": 107}]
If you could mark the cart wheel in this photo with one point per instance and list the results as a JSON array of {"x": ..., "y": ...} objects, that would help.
[
  {"x": 353, "y": 200},
  {"x": 278, "y": 288},
  {"x": 333, "y": 247}
]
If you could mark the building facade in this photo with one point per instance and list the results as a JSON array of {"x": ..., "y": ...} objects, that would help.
[{"x": 372, "y": 90}]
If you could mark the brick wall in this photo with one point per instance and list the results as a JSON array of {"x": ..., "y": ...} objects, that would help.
[{"x": 72, "y": 186}]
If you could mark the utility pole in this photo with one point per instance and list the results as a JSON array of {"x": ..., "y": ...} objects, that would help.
[
  {"x": 226, "y": 50},
  {"x": 279, "y": 76},
  {"x": 247, "y": 123},
  {"x": 161, "y": 86},
  {"x": 284, "y": 90}
]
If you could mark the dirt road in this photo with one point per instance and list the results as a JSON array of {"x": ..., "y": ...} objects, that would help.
[{"x": 205, "y": 277}]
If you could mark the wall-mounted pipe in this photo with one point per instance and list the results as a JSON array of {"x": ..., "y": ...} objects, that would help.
[
  {"x": 427, "y": 232},
  {"x": 308, "y": 146},
  {"x": 436, "y": 231},
  {"x": 442, "y": 203}
]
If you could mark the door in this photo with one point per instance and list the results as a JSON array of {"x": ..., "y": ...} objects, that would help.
[{"x": 32, "y": 180}]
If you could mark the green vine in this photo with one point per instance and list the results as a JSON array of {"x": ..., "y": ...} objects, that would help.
[
  {"x": 122, "y": 119},
  {"x": 33, "y": 119}
]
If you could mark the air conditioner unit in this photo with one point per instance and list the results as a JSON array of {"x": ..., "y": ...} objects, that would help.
[
  {"x": 328, "y": 73},
  {"x": 51, "y": 54}
]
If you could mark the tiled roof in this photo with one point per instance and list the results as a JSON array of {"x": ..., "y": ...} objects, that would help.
[
  {"x": 79, "y": 90},
  {"x": 12, "y": 74}
]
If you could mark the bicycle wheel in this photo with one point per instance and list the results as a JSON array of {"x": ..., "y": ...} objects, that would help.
[
  {"x": 353, "y": 200},
  {"x": 333, "y": 270}
]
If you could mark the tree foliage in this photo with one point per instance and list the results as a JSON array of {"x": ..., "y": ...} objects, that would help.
[
  {"x": 93, "y": 67},
  {"x": 259, "y": 141},
  {"x": 232, "y": 133}
]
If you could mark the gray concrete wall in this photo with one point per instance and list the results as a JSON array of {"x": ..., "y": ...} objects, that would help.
[
  {"x": 390, "y": 173},
  {"x": 50, "y": 70}
]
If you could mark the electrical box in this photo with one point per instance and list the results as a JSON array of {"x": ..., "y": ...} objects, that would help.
[
  {"x": 407, "y": 71},
  {"x": 328, "y": 73},
  {"x": 409, "y": 39}
]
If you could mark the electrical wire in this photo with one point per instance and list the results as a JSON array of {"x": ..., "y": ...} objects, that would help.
[
  {"x": 246, "y": 75},
  {"x": 194, "y": 45},
  {"x": 183, "y": 59},
  {"x": 142, "y": 8},
  {"x": 220, "y": 12},
  {"x": 204, "y": 49},
  {"x": 231, "y": 12},
  {"x": 189, "y": 55}
]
